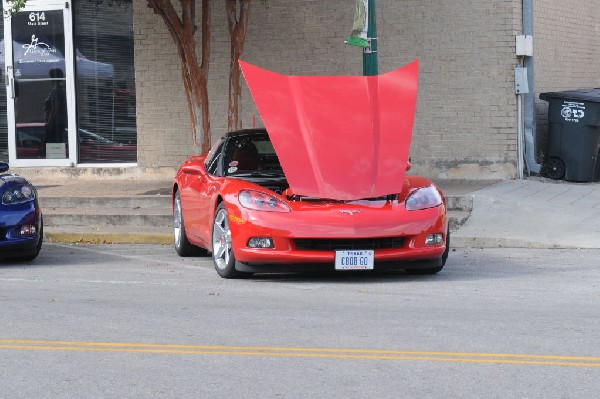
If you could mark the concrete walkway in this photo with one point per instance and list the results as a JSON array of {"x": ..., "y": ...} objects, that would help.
[
  {"x": 91, "y": 188},
  {"x": 118, "y": 211},
  {"x": 535, "y": 212}
]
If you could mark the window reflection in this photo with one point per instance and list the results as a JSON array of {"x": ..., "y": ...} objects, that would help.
[
  {"x": 38, "y": 47},
  {"x": 105, "y": 87},
  {"x": 105, "y": 82}
]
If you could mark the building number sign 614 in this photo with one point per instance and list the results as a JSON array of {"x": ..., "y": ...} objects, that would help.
[{"x": 37, "y": 18}]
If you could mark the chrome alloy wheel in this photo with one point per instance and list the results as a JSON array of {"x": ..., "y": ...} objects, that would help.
[
  {"x": 177, "y": 222},
  {"x": 221, "y": 240}
]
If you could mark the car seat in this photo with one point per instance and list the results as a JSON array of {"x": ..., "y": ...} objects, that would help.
[{"x": 247, "y": 156}]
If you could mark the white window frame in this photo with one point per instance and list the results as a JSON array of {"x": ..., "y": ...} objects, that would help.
[{"x": 42, "y": 5}]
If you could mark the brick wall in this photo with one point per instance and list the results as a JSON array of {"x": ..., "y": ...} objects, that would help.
[
  {"x": 162, "y": 119},
  {"x": 566, "y": 50},
  {"x": 466, "y": 114}
]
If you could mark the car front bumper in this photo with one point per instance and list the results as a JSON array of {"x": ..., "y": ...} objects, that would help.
[
  {"x": 12, "y": 242},
  {"x": 410, "y": 227}
]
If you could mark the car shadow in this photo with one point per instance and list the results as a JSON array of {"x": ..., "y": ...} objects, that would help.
[
  {"x": 464, "y": 264},
  {"x": 60, "y": 254}
]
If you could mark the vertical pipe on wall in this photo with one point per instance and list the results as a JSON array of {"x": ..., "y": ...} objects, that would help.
[
  {"x": 529, "y": 98},
  {"x": 520, "y": 136}
]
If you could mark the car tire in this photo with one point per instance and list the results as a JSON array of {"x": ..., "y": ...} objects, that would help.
[
  {"x": 447, "y": 251},
  {"x": 222, "y": 248},
  {"x": 434, "y": 270},
  {"x": 180, "y": 241}
]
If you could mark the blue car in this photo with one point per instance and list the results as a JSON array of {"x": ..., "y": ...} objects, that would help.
[{"x": 21, "y": 226}]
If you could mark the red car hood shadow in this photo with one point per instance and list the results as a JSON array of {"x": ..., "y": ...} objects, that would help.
[{"x": 338, "y": 137}]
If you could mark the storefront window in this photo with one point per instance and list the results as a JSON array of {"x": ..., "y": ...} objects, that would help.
[
  {"x": 105, "y": 81},
  {"x": 40, "y": 102}
]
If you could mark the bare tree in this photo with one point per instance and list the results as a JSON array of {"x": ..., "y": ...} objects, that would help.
[
  {"x": 193, "y": 73},
  {"x": 237, "y": 22}
]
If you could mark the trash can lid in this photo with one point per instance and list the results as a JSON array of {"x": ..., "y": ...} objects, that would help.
[{"x": 592, "y": 95}]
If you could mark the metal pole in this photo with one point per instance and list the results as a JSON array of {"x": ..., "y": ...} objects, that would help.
[
  {"x": 370, "y": 66},
  {"x": 520, "y": 136},
  {"x": 529, "y": 120}
]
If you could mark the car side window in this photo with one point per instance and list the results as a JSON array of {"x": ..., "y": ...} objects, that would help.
[{"x": 212, "y": 161}]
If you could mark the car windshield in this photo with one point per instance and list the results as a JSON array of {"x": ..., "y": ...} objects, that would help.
[{"x": 252, "y": 155}]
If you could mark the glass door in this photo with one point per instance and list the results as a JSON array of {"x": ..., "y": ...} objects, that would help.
[{"x": 39, "y": 80}]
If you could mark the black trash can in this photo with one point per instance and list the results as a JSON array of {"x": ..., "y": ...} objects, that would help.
[{"x": 573, "y": 135}]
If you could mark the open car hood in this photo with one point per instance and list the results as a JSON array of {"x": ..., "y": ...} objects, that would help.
[{"x": 338, "y": 137}]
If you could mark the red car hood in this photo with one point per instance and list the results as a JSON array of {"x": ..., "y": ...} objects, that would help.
[{"x": 338, "y": 137}]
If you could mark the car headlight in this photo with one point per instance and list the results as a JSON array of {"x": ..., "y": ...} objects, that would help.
[
  {"x": 18, "y": 194},
  {"x": 423, "y": 198},
  {"x": 261, "y": 202}
]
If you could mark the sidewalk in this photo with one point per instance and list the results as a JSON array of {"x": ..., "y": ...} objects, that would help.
[
  {"x": 101, "y": 188},
  {"x": 535, "y": 212},
  {"x": 124, "y": 211}
]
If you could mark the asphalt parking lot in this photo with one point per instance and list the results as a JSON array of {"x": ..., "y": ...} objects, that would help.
[{"x": 138, "y": 321}]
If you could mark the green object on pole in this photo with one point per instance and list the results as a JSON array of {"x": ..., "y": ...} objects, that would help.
[
  {"x": 358, "y": 36},
  {"x": 370, "y": 65}
]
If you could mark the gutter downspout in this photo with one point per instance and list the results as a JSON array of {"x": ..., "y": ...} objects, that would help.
[
  {"x": 520, "y": 135},
  {"x": 529, "y": 98}
]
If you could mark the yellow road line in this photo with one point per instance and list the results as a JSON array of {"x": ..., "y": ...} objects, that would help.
[{"x": 323, "y": 353}]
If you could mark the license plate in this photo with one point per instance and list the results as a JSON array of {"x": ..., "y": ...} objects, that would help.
[{"x": 354, "y": 260}]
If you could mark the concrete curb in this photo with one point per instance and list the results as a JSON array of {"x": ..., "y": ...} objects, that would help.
[
  {"x": 109, "y": 238},
  {"x": 499, "y": 242},
  {"x": 167, "y": 239}
]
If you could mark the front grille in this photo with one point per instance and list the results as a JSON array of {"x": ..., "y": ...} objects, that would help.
[{"x": 320, "y": 244}]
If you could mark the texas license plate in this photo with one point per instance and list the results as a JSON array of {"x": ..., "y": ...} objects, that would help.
[{"x": 354, "y": 260}]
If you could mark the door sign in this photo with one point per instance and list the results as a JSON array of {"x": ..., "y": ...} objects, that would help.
[{"x": 38, "y": 43}]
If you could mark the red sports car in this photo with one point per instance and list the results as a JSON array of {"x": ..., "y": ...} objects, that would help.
[{"x": 321, "y": 188}]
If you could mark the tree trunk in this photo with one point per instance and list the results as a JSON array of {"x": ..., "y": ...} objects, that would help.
[
  {"x": 194, "y": 75},
  {"x": 237, "y": 34}
]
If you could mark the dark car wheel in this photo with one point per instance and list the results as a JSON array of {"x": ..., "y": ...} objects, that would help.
[
  {"x": 182, "y": 246},
  {"x": 434, "y": 270},
  {"x": 222, "y": 250},
  {"x": 447, "y": 251}
]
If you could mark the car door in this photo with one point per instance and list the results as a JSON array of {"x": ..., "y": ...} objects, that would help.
[{"x": 199, "y": 196}]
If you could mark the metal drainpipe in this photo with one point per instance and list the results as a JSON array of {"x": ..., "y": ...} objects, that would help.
[
  {"x": 529, "y": 98},
  {"x": 520, "y": 136}
]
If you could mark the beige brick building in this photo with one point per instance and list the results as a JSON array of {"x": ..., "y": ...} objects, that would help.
[{"x": 466, "y": 121}]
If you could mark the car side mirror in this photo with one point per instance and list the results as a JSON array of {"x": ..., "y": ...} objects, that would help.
[
  {"x": 3, "y": 167},
  {"x": 408, "y": 166},
  {"x": 193, "y": 169}
]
